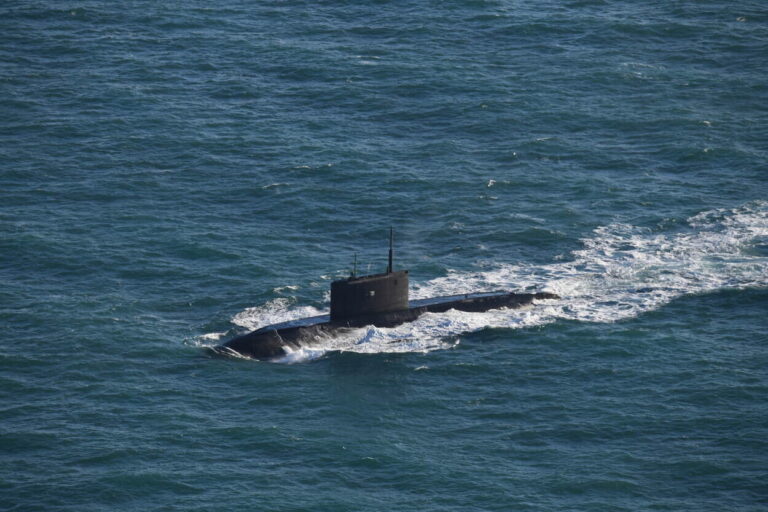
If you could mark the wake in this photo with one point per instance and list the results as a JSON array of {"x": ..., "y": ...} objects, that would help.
[{"x": 620, "y": 272}]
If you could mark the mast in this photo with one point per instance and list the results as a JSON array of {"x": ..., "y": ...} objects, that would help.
[{"x": 389, "y": 267}]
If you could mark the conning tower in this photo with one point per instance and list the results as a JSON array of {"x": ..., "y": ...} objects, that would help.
[{"x": 370, "y": 295}]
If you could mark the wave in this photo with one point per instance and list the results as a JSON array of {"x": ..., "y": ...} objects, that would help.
[{"x": 620, "y": 272}]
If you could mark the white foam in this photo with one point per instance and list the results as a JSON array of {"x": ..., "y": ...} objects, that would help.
[
  {"x": 273, "y": 312},
  {"x": 620, "y": 272},
  {"x": 285, "y": 289},
  {"x": 275, "y": 185},
  {"x": 212, "y": 336},
  {"x": 300, "y": 355}
]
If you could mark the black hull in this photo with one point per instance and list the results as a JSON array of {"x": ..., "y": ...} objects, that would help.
[{"x": 272, "y": 341}]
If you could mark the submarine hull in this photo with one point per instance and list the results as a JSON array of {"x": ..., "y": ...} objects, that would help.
[{"x": 277, "y": 340}]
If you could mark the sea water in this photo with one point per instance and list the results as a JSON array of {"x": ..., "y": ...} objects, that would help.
[{"x": 175, "y": 174}]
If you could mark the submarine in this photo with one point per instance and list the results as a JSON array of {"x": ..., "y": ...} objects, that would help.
[{"x": 380, "y": 300}]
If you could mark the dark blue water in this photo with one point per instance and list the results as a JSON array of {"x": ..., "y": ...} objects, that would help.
[{"x": 174, "y": 174}]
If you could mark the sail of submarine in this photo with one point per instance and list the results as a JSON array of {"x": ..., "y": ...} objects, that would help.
[{"x": 380, "y": 300}]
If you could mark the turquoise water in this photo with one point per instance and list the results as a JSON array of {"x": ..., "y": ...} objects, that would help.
[{"x": 174, "y": 175}]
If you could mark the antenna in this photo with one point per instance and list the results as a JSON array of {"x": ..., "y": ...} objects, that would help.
[
  {"x": 354, "y": 268},
  {"x": 391, "y": 236}
]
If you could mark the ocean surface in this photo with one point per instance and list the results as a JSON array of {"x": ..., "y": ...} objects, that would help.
[{"x": 173, "y": 174}]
